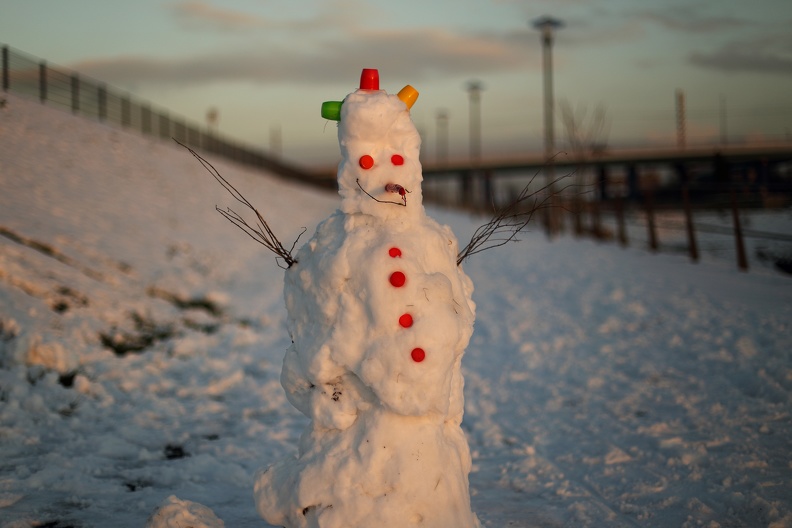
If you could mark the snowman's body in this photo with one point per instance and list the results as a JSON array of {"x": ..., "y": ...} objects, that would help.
[{"x": 380, "y": 315}]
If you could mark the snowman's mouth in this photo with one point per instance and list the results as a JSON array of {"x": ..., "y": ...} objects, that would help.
[{"x": 392, "y": 188}]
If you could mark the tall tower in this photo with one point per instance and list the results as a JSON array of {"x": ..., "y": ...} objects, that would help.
[
  {"x": 547, "y": 25},
  {"x": 442, "y": 137},
  {"x": 474, "y": 89}
]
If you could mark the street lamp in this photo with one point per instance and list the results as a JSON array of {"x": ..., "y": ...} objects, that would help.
[
  {"x": 546, "y": 25},
  {"x": 474, "y": 89},
  {"x": 442, "y": 137}
]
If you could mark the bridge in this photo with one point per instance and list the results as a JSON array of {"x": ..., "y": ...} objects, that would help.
[
  {"x": 770, "y": 152},
  {"x": 462, "y": 183}
]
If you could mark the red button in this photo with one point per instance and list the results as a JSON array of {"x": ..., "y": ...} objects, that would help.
[
  {"x": 366, "y": 161},
  {"x": 406, "y": 320},
  {"x": 394, "y": 252},
  {"x": 397, "y": 279},
  {"x": 418, "y": 355},
  {"x": 397, "y": 159}
]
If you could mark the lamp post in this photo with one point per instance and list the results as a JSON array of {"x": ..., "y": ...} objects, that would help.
[
  {"x": 547, "y": 25},
  {"x": 442, "y": 137},
  {"x": 680, "y": 119},
  {"x": 474, "y": 92},
  {"x": 474, "y": 89}
]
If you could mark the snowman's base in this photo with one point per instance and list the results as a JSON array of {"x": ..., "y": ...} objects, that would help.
[{"x": 386, "y": 470}]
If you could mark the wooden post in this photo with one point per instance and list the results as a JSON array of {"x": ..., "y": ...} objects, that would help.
[
  {"x": 75, "y": 93},
  {"x": 619, "y": 208},
  {"x": 6, "y": 68},
  {"x": 546, "y": 222},
  {"x": 650, "y": 220},
  {"x": 465, "y": 189},
  {"x": 577, "y": 221},
  {"x": 164, "y": 126},
  {"x": 101, "y": 96},
  {"x": 596, "y": 225},
  {"x": 126, "y": 117},
  {"x": 742, "y": 260},
  {"x": 145, "y": 119},
  {"x": 43, "y": 81},
  {"x": 691, "y": 232}
]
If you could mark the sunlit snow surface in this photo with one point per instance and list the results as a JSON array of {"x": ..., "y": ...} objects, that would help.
[{"x": 604, "y": 387}]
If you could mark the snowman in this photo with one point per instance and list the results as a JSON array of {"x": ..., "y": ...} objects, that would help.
[{"x": 379, "y": 315}]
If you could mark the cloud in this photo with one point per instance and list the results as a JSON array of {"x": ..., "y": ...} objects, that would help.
[
  {"x": 766, "y": 54},
  {"x": 201, "y": 15},
  {"x": 583, "y": 33},
  {"x": 414, "y": 53},
  {"x": 689, "y": 19}
]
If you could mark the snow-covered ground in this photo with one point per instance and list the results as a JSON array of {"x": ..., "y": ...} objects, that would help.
[{"x": 141, "y": 339}]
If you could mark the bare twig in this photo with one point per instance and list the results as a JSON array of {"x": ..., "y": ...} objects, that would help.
[
  {"x": 261, "y": 232},
  {"x": 508, "y": 221},
  {"x": 402, "y": 203}
]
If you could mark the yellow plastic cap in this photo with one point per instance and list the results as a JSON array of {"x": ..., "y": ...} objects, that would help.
[{"x": 409, "y": 95}]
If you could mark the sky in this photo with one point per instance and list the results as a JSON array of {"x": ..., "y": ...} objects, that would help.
[{"x": 266, "y": 66}]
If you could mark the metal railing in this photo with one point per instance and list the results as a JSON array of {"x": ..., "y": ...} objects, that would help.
[{"x": 32, "y": 77}]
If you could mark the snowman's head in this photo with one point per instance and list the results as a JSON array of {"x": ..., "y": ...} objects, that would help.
[{"x": 380, "y": 173}]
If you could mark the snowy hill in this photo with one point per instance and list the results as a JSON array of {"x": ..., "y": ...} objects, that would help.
[{"x": 141, "y": 339}]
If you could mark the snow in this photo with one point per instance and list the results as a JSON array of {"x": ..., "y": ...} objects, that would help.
[{"x": 604, "y": 386}]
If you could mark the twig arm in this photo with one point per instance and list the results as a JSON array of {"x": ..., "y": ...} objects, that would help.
[{"x": 261, "y": 233}]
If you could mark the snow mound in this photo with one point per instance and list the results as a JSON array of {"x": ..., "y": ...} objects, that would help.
[{"x": 177, "y": 513}]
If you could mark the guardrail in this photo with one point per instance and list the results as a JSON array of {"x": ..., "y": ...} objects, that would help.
[{"x": 31, "y": 76}]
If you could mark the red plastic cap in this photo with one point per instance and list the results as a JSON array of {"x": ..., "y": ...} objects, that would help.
[
  {"x": 369, "y": 79},
  {"x": 406, "y": 321},
  {"x": 398, "y": 279},
  {"x": 366, "y": 161},
  {"x": 418, "y": 354}
]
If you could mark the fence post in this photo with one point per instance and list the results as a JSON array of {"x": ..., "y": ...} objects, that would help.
[
  {"x": 596, "y": 225},
  {"x": 125, "y": 111},
  {"x": 6, "y": 76},
  {"x": 42, "y": 81},
  {"x": 75, "y": 93},
  {"x": 101, "y": 95},
  {"x": 164, "y": 126},
  {"x": 619, "y": 206},
  {"x": 650, "y": 219},
  {"x": 466, "y": 187},
  {"x": 145, "y": 119},
  {"x": 577, "y": 212},
  {"x": 691, "y": 232},
  {"x": 742, "y": 260}
]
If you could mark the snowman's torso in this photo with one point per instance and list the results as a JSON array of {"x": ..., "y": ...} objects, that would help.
[{"x": 348, "y": 320}]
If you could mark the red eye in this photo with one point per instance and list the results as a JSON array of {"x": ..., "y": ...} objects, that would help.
[
  {"x": 397, "y": 159},
  {"x": 366, "y": 161}
]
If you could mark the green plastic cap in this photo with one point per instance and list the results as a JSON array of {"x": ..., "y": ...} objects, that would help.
[{"x": 332, "y": 110}]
